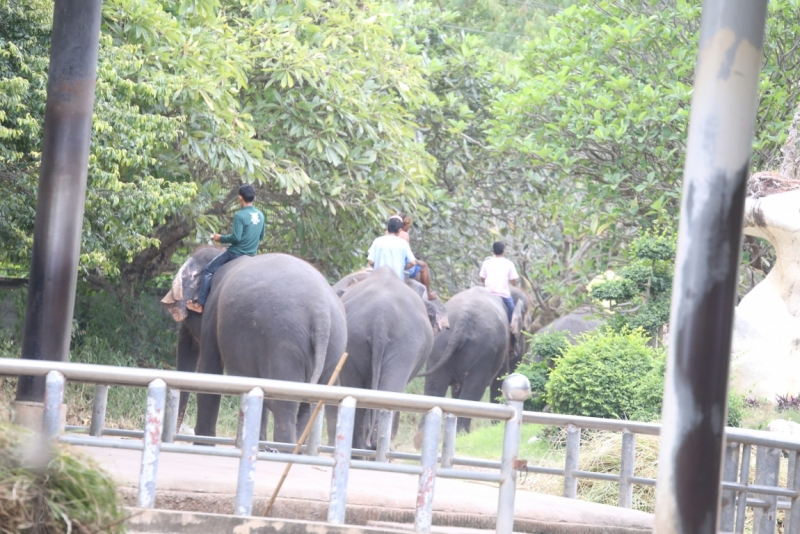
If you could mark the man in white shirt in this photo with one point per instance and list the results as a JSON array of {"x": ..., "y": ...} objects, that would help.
[
  {"x": 497, "y": 273},
  {"x": 392, "y": 250}
]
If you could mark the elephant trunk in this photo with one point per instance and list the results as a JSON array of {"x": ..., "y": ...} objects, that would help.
[{"x": 184, "y": 401}]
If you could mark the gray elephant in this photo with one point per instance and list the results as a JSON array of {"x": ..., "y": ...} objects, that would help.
[
  {"x": 477, "y": 347},
  {"x": 267, "y": 316},
  {"x": 575, "y": 323},
  {"x": 389, "y": 338}
]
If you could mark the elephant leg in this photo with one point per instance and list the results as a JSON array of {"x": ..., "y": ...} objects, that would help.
[
  {"x": 303, "y": 415},
  {"x": 207, "y": 414},
  {"x": 262, "y": 432},
  {"x": 285, "y": 426},
  {"x": 331, "y": 413},
  {"x": 207, "y": 404},
  {"x": 361, "y": 426},
  {"x": 472, "y": 388}
]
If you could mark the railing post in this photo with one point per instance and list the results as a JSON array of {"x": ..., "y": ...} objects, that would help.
[
  {"x": 793, "y": 526},
  {"x": 516, "y": 390},
  {"x": 153, "y": 422},
  {"x": 171, "y": 415},
  {"x": 427, "y": 480},
  {"x": 53, "y": 404},
  {"x": 768, "y": 462},
  {"x": 449, "y": 440},
  {"x": 744, "y": 479},
  {"x": 385, "y": 420},
  {"x": 571, "y": 462},
  {"x": 341, "y": 460},
  {"x": 251, "y": 407},
  {"x": 729, "y": 474},
  {"x": 99, "y": 411},
  {"x": 626, "y": 468},
  {"x": 315, "y": 436}
]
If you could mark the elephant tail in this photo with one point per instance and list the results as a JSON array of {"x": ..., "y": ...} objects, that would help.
[
  {"x": 379, "y": 342},
  {"x": 321, "y": 339},
  {"x": 458, "y": 334}
]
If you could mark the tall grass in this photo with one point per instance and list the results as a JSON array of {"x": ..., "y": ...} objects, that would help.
[{"x": 68, "y": 494}]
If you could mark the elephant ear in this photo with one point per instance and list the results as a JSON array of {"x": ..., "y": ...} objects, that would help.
[
  {"x": 437, "y": 315},
  {"x": 184, "y": 288},
  {"x": 516, "y": 319}
]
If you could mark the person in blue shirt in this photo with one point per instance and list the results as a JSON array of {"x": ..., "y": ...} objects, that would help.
[
  {"x": 248, "y": 230},
  {"x": 392, "y": 250}
]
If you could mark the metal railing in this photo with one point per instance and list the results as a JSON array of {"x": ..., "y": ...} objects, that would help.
[
  {"x": 158, "y": 435},
  {"x": 765, "y": 496}
]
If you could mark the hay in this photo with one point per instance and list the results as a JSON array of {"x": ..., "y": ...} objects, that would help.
[
  {"x": 68, "y": 494},
  {"x": 600, "y": 453},
  {"x": 765, "y": 183}
]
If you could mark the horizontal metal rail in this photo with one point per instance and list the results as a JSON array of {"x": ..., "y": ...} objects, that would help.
[{"x": 238, "y": 385}]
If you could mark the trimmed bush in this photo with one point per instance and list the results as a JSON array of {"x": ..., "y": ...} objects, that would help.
[{"x": 607, "y": 374}]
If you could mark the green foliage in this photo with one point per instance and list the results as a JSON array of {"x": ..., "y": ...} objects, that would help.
[
  {"x": 537, "y": 374},
  {"x": 70, "y": 494},
  {"x": 640, "y": 296},
  {"x": 546, "y": 346},
  {"x": 601, "y": 375}
]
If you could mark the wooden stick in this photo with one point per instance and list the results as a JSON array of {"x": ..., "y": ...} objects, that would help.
[{"x": 303, "y": 437}]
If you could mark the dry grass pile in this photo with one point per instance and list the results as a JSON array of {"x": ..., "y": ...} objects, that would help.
[
  {"x": 601, "y": 452},
  {"x": 67, "y": 494}
]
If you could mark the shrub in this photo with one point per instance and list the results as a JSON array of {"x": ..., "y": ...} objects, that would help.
[
  {"x": 543, "y": 349},
  {"x": 70, "y": 494},
  {"x": 604, "y": 375},
  {"x": 546, "y": 347}
]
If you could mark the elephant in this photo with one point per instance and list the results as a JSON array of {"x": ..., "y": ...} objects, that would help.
[
  {"x": 574, "y": 324},
  {"x": 389, "y": 337},
  {"x": 267, "y": 316},
  {"x": 476, "y": 350},
  {"x": 436, "y": 311}
]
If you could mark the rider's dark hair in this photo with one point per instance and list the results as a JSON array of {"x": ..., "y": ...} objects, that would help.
[
  {"x": 498, "y": 247},
  {"x": 393, "y": 225},
  {"x": 247, "y": 192}
]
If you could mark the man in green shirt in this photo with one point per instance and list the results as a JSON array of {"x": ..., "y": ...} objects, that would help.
[{"x": 248, "y": 230}]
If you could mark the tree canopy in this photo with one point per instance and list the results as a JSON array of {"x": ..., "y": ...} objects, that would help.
[{"x": 555, "y": 127}]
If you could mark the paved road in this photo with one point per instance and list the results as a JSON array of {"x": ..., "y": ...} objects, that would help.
[{"x": 207, "y": 484}]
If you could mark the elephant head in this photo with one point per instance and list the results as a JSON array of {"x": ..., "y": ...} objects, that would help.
[{"x": 186, "y": 283}]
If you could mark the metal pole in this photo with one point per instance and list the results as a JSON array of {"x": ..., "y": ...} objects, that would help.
[
  {"x": 153, "y": 422},
  {"x": 171, "y": 415},
  {"x": 744, "y": 479},
  {"x": 423, "y": 516},
  {"x": 571, "y": 461},
  {"x": 385, "y": 419},
  {"x": 723, "y": 112},
  {"x": 794, "y": 513},
  {"x": 341, "y": 460},
  {"x": 731, "y": 471},
  {"x": 62, "y": 187},
  {"x": 251, "y": 416},
  {"x": 516, "y": 390},
  {"x": 626, "y": 469},
  {"x": 53, "y": 402},
  {"x": 99, "y": 411},
  {"x": 768, "y": 463},
  {"x": 449, "y": 440}
]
